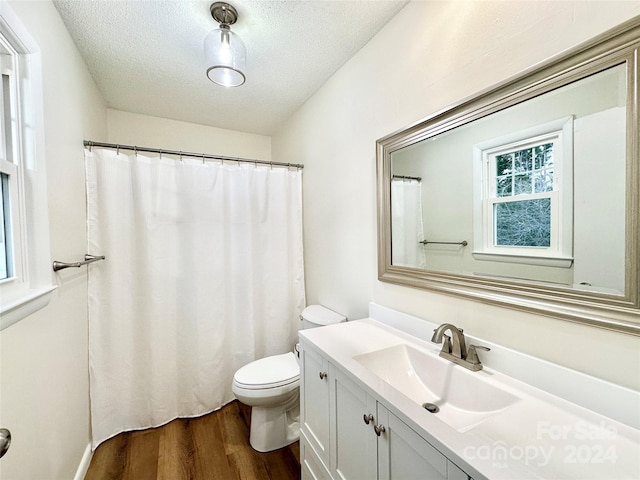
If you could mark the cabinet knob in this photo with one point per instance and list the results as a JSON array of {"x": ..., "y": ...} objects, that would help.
[
  {"x": 323, "y": 375},
  {"x": 5, "y": 441},
  {"x": 379, "y": 429},
  {"x": 367, "y": 417}
]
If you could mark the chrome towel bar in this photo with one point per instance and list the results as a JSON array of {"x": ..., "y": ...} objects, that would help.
[
  {"x": 464, "y": 243},
  {"x": 87, "y": 259},
  {"x": 405, "y": 177}
]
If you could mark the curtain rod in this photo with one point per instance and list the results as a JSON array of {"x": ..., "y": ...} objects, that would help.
[{"x": 203, "y": 156}]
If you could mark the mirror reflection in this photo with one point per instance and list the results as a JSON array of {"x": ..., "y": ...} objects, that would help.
[{"x": 533, "y": 192}]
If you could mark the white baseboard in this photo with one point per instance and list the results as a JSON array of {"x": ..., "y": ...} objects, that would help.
[{"x": 84, "y": 463}]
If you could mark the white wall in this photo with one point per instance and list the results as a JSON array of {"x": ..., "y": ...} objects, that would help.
[
  {"x": 600, "y": 261},
  {"x": 44, "y": 384},
  {"x": 146, "y": 131},
  {"x": 431, "y": 55}
]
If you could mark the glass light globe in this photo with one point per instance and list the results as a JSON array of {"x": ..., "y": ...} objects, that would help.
[{"x": 226, "y": 57}]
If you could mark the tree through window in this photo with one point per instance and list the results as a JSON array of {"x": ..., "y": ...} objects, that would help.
[{"x": 521, "y": 173}]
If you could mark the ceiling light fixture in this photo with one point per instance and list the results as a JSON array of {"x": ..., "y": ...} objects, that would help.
[{"x": 225, "y": 53}]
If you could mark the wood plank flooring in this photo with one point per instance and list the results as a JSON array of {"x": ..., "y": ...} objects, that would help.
[{"x": 215, "y": 446}]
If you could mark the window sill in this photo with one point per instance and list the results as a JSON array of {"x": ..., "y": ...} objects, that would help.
[
  {"x": 31, "y": 302},
  {"x": 558, "y": 262}
]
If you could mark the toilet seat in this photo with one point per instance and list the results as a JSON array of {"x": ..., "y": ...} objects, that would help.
[{"x": 269, "y": 372}]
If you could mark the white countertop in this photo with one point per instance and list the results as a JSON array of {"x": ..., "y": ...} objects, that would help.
[{"x": 539, "y": 436}]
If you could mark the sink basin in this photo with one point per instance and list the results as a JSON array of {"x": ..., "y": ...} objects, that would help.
[{"x": 464, "y": 398}]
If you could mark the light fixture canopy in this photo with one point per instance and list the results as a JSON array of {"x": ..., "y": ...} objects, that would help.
[{"x": 224, "y": 51}]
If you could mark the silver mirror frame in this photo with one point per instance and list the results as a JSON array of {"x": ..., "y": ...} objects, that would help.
[{"x": 620, "y": 313}]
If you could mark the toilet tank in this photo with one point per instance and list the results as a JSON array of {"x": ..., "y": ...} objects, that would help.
[{"x": 318, "y": 316}]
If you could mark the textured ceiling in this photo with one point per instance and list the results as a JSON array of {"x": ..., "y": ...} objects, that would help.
[{"x": 147, "y": 56}]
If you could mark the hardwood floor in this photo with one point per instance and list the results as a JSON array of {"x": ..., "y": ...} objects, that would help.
[{"x": 215, "y": 446}]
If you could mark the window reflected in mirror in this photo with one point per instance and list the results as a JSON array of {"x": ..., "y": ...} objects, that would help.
[{"x": 534, "y": 192}]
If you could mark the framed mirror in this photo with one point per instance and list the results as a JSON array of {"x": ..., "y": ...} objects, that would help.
[{"x": 526, "y": 195}]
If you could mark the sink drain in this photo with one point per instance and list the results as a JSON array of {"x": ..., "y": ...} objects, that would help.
[{"x": 431, "y": 407}]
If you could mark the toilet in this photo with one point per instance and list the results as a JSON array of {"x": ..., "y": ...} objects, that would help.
[{"x": 270, "y": 386}]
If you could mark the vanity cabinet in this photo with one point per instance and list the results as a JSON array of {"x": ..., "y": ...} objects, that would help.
[{"x": 361, "y": 438}]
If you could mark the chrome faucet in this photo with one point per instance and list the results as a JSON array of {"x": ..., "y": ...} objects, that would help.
[{"x": 457, "y": 351}]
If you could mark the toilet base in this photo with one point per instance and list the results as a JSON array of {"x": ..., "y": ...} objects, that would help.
[{"x": 275, "y": 427}]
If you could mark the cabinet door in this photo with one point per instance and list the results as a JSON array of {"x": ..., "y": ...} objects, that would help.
[
  {"x": 454, "y": 472},
  {"x": 314, "y": 403},
  {"x": 311, "y": 466},
  {"x": 405, "y": 455},
  {"x": 354, "y": 453}
]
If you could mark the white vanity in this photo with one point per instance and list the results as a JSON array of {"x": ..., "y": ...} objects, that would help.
[{"x": 363, "y": 387}]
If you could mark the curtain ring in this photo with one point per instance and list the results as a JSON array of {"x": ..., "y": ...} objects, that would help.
[
  {"x": 135, "y": 150},
  {"x": 160, "y": 154},
  {"x": 181, "y": 156},
  {"x": 203, "y": 159},
  {"x": 117, "y": 149}
]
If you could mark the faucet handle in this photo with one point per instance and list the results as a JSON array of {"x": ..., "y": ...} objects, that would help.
[{"x": 472, "y": 354}]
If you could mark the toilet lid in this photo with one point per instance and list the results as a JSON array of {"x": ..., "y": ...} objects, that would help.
[{"x": 269, "y": 372}]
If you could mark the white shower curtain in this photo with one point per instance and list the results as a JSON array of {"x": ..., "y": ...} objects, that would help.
[
  {"x": 203, "y": 273},
  {"x": 406, "y": 224}
]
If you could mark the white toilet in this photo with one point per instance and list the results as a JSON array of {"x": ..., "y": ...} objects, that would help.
[{"x": 271, "y": 387}]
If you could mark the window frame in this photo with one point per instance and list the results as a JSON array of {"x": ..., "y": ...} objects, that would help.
[
  {"x": 30, "y": 286},
  {"x": 560, "y": 252},
  {"x": 10, "y": 164}
]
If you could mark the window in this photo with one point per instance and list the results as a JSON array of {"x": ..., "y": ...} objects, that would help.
[
  {"x": 25, "y": 262},
  {"x": 9, "y": 162},
  {"x": 5, "y": 229},
  {"x": 524, "y": 206}
]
